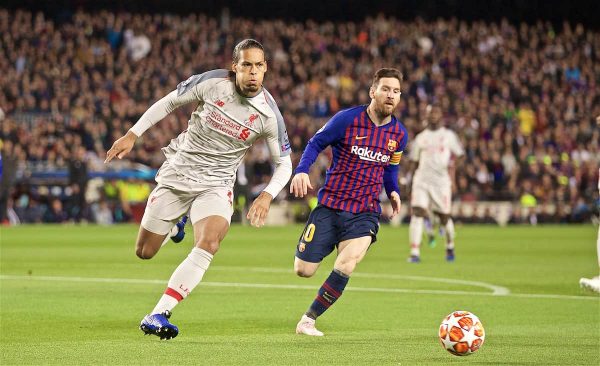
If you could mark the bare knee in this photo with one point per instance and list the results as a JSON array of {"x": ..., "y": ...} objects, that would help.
[
  {"x": 303, "y": 270},
  {"x": 444, "y": 219},
  {"x": 143, "y": 252},
  {"x": 419, "y": 211},
  {"x": 211, "y": 245},
  {"x": 347, "y": 265}
]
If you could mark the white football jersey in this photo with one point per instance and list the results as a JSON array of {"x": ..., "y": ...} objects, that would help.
[
  {"x": 221, "y": 129},
  {"x": 433, "y": 150}
]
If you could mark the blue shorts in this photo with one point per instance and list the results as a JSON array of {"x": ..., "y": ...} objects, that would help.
[{"x": 327, "y": 227}]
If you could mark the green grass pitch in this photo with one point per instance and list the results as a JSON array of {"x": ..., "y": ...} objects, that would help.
[{"x": 74, "y": 295}]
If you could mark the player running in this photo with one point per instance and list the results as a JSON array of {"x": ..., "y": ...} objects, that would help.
[
  {"x": 432, "y": 151},
  {"x": 233, "y": 111},
  {"x": 367, "y": 143}
]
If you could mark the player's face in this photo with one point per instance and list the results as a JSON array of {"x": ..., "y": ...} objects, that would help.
[
  {"x": 434, "y": 116},
  {"x": 386, "y": 96},
  {"x": 250, "y": 71}
]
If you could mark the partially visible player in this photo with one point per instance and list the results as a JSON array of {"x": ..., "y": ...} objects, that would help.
[
  {"x": 593, "y": 284},
  {"x": 367, "y": 143},
  {"x": 233, "y": 110},
  {"x": 430, "y": 155}
]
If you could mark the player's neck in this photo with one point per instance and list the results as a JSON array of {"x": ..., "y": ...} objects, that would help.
[
  {"x": 376, "y": 118},
  {"x": 248, "y": 94}
]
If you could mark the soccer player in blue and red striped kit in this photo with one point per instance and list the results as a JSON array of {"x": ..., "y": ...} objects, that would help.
[{"x": 367, "y": 143}]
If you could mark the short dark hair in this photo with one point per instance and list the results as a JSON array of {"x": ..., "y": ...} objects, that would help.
[
  {"x": 244, "y": 45},
  {"x": 386, "y": 72}
]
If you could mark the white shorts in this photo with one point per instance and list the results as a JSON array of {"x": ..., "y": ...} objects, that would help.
[
  {"x": 438, "y": 198},
  {"x": 175, "y": 195}
]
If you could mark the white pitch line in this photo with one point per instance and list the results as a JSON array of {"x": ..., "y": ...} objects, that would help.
[
  {"x": 496, "y": 290},
  {"x": 290, "y": 287}
]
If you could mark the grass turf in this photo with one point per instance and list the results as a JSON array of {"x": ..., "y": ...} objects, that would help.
[{"x": 57, "y": 306}]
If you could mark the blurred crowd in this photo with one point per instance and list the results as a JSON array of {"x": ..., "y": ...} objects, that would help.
[{"x": 522, "y": 98}]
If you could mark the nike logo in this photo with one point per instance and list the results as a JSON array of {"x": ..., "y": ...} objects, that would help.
[{"x": 360, "y": 137}]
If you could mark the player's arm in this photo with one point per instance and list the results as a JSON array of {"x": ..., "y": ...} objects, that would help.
[
  {"x": 327, "y": 135},
  {"x": 187, "y": 91},
  {"x": 154, "y": 114},
  {"x": 458, "y": 155},
  {"x": 279, "y": 147},
  {"x": 390, "y": 177},
  {"x": 413, "y": 157}
]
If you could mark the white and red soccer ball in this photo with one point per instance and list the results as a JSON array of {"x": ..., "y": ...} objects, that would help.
[{"x": 461, "y": 333}]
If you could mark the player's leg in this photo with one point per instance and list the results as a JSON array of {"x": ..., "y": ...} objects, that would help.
[
  {"x": 357, "y": 233},
  {"x": 419, "y": 201},
  {"x": 448, "y": 224},
  {"x": 429, "y": 230},
  {"x": 441, "y": 202},
  {"x": 210, "y": 214},
  {"x": 415, "y": 233},
  {"x": 318, "y": 239},
  {"x": 164, "y": 208}
]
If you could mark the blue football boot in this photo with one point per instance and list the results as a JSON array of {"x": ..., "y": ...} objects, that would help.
[
  {"x": 158, "y": 324},
  {"x": 177, "y": 238},
  {"x": 414, "y": 259},
  {"x": 450, "y": 255}
]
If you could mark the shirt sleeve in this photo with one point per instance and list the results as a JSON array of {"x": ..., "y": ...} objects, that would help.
[
  {"x": 456, "y": 147},
  {"x": 191, "y": 90},
  {"x": 277, "y": 138},
  {"x": 415, "y": 150},
  {"x": 160, "y": 109},
  {"x": 390, "y": 172},
  {"x": 332, "y": 131}
]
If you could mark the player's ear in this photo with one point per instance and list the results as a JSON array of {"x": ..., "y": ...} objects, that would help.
[
  {"x": 372, "y": 93},
  {"x": 233, "y": 67}
]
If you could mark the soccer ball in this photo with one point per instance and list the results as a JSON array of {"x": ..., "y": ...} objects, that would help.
[{"x": 461, "y": 333}]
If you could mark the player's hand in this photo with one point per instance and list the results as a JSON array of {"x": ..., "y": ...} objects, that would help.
[
  {"x": 396, "y": 203},
  {"x": 121, "y": 147},
  {"x": 300, "y": 184},
  {"x": 259, "y": 209}
]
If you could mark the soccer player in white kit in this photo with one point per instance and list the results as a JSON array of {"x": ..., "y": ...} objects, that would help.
[
  {"x": 233, "y": 111},
  {"x": 432, "y": 151}
]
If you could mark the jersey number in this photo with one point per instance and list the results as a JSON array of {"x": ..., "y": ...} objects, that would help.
[{"x": 309, "y": 233}]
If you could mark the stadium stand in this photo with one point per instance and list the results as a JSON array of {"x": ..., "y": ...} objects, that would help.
[{"x": 522, "y": 98}]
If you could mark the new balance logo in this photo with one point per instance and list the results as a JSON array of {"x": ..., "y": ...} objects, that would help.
[
  {"x": 360, "y": 137},
  {"x": 369, "y": 155}
]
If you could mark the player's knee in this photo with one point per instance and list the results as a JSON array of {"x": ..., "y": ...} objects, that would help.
[
  {"x": 143, "y": 252},
  {"x": 303, "y": 271},
  {"x": 419, "y": 211},
  {"x": 211, "y": 245},
  {"x": 444, "y": 219},
  {"x": 347, "y": 265}
]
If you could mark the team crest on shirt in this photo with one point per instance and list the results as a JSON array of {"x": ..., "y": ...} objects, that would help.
[
  {"x": 250, "y": 121},
  {"x": 392, "y": 145}
]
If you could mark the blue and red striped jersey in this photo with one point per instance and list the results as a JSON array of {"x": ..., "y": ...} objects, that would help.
[{"x": 365, "y": 156}]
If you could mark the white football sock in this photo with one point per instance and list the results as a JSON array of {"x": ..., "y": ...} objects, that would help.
[
  {"x": 173, "y": 232},
  {"x": 450, "y": 234},
  {"x": 415, "y": 232},
  {"x": 185, "y": 278}
]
